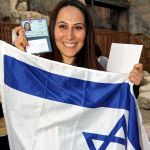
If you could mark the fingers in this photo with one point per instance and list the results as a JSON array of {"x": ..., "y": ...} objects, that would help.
[
  {"x": 136, "y": 75},
  {"x": 19, "y": 30},
  {"x": 20, "y": 43},
  {"x": 21, "y": 40},
  {"x": 139, "y": 67}
]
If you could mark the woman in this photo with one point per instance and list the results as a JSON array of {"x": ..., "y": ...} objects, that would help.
[
  {"x": 27, "y": 26},
  {"x": 72, "y": 36}
]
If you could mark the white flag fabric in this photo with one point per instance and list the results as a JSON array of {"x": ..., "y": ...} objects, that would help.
[{"x": 54, "y": 106}]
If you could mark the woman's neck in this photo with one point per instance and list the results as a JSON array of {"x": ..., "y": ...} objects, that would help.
[{"x": 68, "y": 60}]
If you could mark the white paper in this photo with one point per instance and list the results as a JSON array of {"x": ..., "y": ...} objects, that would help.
[
  {"x": 123, "y": 57},
  {"x": 37, "y": 46}
]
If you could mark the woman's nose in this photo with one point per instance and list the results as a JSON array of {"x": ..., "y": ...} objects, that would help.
[{"x": 70, "y": 34}]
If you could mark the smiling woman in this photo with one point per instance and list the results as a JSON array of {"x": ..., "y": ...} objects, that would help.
[{"x": 72, "y": 35}]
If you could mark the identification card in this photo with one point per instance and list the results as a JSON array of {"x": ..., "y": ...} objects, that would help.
[{"x": 36, "y": 31}]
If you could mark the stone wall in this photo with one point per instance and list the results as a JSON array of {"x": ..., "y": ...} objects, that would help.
[
  {"x": 5, "y": 10},
  {"x": 123, "y": 20},
  {"x": 43, "y": 6},
  {"x": 15, "y": 10},
  {"x": 144, "y": 92},
  {"x": 20, "y": 10},
  {"x": 139, "y": 16}
]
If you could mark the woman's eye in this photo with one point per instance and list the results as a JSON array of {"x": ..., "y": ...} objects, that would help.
[
  {"x": 78, "y": 27},
  {"x": 62, "y": 26}
]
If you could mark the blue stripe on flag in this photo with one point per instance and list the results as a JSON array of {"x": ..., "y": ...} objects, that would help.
[{"x": 37, "y": 82}]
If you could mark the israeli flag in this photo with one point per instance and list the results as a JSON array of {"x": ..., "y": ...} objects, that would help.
[{"x": 54, "y": 106}]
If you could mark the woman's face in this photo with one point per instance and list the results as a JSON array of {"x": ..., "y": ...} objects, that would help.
[
  {"x": 69, "y": 32},
  {"x": 27, "y": 26}
]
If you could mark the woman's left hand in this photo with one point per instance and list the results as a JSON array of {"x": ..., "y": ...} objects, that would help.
[{"x": 136, "y": 75}]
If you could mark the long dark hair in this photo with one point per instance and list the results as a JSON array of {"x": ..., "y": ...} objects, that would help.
[{"x": 86, "y": 56}]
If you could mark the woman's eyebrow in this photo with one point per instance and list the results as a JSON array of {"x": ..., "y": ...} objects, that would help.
[
  {"x": 61, "y": 22},
  {"x": 80, "y": 23}
]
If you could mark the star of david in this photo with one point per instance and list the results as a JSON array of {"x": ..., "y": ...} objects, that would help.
[{"x": 108, "y": 138}]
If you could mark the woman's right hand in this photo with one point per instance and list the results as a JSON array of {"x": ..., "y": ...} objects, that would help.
[{"x": 21, "y": 41}]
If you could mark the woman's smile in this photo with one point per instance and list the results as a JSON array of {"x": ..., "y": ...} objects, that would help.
[{"x": 69, "y": 45}]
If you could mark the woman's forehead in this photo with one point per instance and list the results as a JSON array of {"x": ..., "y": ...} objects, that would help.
[{"x": 71, "y": 14}]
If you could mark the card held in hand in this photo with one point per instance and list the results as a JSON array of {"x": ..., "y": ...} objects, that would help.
[{"x": 37, "y": 33}]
